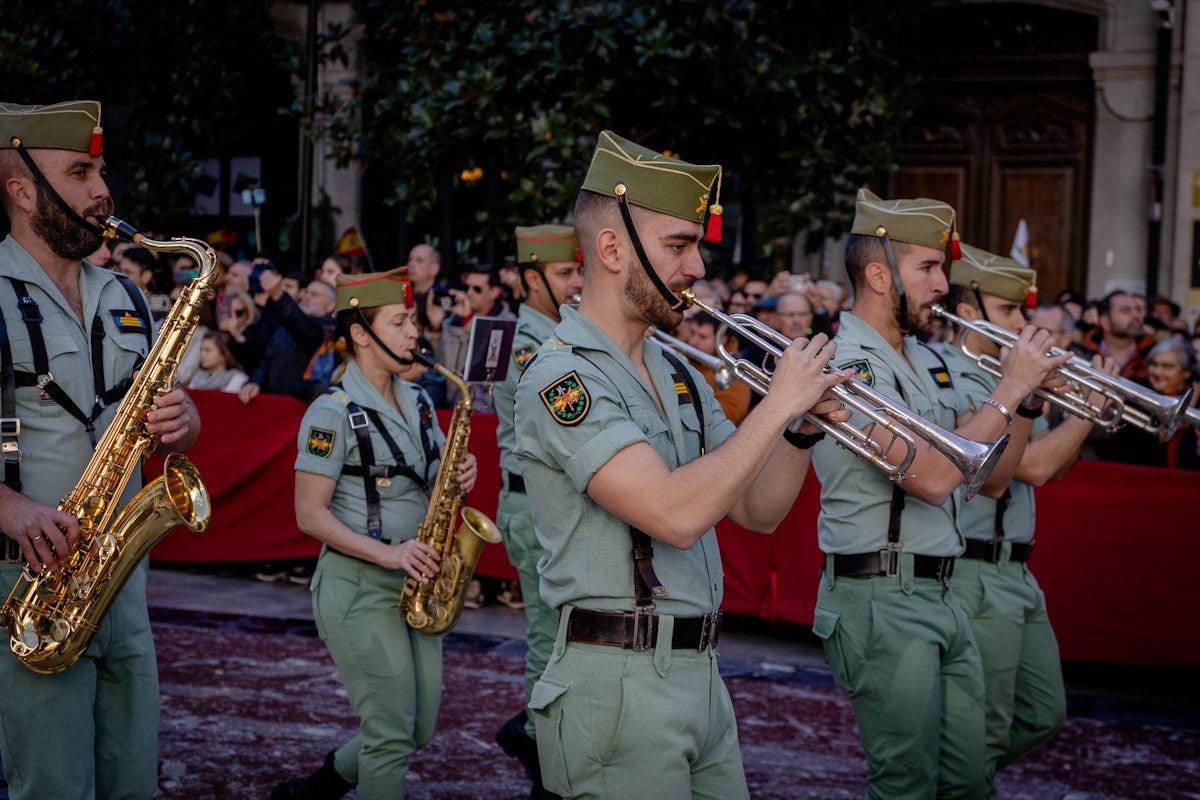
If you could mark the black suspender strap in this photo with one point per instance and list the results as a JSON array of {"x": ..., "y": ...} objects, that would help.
[
  {"x": 691, "y": 386},
  {"x": 31, "y": 315},
  {"x": 372, "y": 473},
  {"x": 10, "y": 426},
  {"x": 139, "y": 303},
  {"x": 366, "y": 453},
  {"x": 646, "y": 585}
]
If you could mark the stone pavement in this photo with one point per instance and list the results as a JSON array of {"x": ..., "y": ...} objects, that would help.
[{"x": 250, "y": 697}]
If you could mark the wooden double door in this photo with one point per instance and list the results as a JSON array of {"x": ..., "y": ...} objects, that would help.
[{"x": 1002, "y": 130}]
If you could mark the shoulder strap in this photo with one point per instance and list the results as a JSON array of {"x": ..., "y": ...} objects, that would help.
[
  {"x": 139, "y": 305},
  {"x": 366, "y": 453},
  {"x": 10, "y": 426}
]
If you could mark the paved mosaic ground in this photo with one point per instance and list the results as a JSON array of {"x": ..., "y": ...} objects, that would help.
[{"x": 247, "y": 702}]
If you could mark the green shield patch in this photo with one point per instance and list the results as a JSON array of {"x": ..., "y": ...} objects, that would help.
[
  {"x": 864, "y": 371},
  {"x": 567, "y": 399},
  {"x": 320, "y": 442}
]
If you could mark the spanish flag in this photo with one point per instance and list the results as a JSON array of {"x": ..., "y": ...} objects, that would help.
[{"x": 350, "y": 243}]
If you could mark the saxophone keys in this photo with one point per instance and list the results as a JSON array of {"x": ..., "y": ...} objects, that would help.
[
  {"x": 60, "y": 629},
  {"x": 28, "y": 637}
]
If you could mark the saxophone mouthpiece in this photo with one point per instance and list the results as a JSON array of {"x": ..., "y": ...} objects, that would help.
[
  {"x": 119, "y": 228},
  {"x": 423, "y": 357}
]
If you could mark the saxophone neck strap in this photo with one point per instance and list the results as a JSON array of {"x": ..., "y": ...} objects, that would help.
[
  {"x": 42, "y": 378},
  {"x": 10, "y": 426}
]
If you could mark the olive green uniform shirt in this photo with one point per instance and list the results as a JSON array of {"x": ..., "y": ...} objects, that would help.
[
  {"x": 856, "y": 497},
  {"x": 533, "y": 328},
  {"x": 54, "y": 445},
  {"x": 579, "y": 403},
  {"x": 326, "y": 442},
  {"x": 977, "y": 519}
]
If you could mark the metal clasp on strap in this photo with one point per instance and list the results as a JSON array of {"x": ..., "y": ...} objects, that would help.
[
  {"x": 643, "y": 627},
  {"x": 10, "y": 429},
  {"x": 710, "y": 631},
  {"x": 889, "y": 560},
  {"x": 44, "y": 380},
  {"x": 358, "y": 419}
]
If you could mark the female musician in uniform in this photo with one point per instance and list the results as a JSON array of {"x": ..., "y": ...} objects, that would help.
[{"x": 393, "y": 674}]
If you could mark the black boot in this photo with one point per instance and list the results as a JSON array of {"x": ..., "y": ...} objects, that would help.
[
  {"x": 513, "y": 739},
  {"x": 324, "y": 784}
]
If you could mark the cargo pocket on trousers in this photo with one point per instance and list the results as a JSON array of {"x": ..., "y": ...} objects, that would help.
[
  {"x": 825, "y": 627},
  {"x": 545, "y": 704}
]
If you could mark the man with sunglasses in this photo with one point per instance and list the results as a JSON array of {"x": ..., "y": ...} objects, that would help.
[{"x": 479, "y": 297}]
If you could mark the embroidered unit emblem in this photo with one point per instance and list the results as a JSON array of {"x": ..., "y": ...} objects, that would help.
[
  {"x": 127, "y": 320},
  {"x": 320, "y": 442},
  {"x": 864, "y": 371},
  {"x": 522, "y": 355},
  {"x": 941, "y": 376},
  {"x": 567, "y": 400}
]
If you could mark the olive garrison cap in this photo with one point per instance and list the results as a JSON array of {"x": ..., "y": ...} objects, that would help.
[
  {"x": 653, "y": 180},
  {"x": 63, "y": 126},
  {"x": 374, "y": 290},
  {"x": 546, "y": 244},
  {"x": 993, "y": 274},
  {"x": 920, "y": 221}
]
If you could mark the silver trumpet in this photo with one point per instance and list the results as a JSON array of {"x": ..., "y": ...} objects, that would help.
[
  {"x": 1125, "y": 402},
  {"x": 974, "y": 460},
  {"x": 722, "y": 373}
]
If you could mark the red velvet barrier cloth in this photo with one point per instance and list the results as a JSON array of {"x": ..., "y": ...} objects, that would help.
[{"x": 1115, "y": 554}]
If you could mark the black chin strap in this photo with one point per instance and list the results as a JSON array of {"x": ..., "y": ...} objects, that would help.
[
  {"x": 48, "y": 189},
  {"x": 902, "y": 311},
  {"x": 370, "y": 332},
  {"x": 541, "y": 271},
  {"x": 677, "y": 303}
]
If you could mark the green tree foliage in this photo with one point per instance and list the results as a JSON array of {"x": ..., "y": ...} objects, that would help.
[
  {"x": 173, "y": 79},
  {"x": 501, "y": 102}
]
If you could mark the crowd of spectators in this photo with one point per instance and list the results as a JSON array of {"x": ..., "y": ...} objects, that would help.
[
  {"x": 270, "y": 330},
  {"x": 1150, "y": 339}
]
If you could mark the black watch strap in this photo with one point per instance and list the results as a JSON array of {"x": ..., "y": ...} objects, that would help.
[{"x": 804, "y": 441}]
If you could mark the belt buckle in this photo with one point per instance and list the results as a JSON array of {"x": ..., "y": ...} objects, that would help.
[
  {"x": 889, "y": 561},
  {"x": 710, "y": 630},
  {"x": 945, "y": 568},
  {"x": 997, "y": 549},
  {"x": 643, "y": 627}
]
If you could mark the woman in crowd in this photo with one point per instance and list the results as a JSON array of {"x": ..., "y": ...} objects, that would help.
[
  {"x": 218, "y": 370},
  {"x": 392, "y": 673},
  {"x": 1172, "y": 369}
]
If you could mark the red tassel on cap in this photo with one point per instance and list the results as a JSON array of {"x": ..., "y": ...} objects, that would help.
[
  {"x": 1031, "y": 297},
  {"x": 713, "y": 232},
  {"x": 95, "y": 147},
  {"x": 955, "y": 247}
]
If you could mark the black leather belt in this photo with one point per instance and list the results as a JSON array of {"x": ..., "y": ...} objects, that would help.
[
  {"x": 886, "y": 563},
  {"x": 639, "y": 631},
  {"x": 516, "y": 483},
  {"x": 990, "y": 550}
]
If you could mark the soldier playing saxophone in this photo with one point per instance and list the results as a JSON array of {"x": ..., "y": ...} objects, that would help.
[
  {"x": 73, "y": 334},
  {"x": 369, "y": 457}
]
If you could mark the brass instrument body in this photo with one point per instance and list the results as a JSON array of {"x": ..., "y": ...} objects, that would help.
[
  {"x": 433, "y": 605},
  {"x": 1126, "y": 402},
  {"x": 974, "y": 460},
  {"x": 52, "y": 616},
  {"x": 723, "y": 375}
]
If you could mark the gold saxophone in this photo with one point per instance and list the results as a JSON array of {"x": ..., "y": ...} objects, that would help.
[
  {"x": 433, "y": 605},
  {"x": 52, "y": 616}
]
